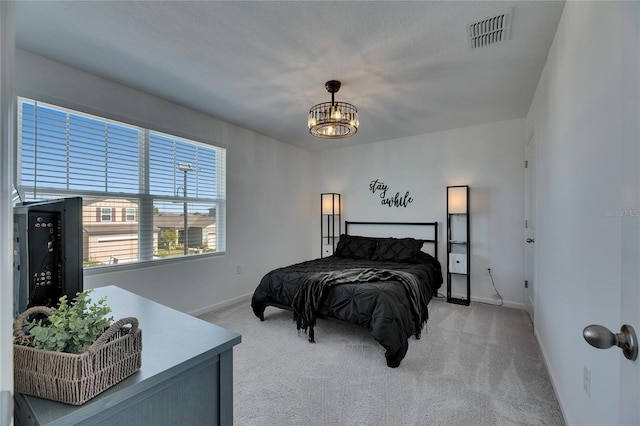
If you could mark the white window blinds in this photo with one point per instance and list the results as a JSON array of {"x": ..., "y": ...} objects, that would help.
[{"x": 146, "y": 195}]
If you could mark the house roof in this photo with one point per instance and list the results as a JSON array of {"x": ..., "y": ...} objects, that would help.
[
  {"x": 172, "y": 220},
  {"x": 108, "y": 228},
  {"x": 163, "y": 220}
]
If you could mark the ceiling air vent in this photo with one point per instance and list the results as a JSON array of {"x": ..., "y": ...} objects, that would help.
[{"x": 490, "y": 30}]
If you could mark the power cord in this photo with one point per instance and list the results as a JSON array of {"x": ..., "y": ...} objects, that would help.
[{"x": 495, "y": 289}]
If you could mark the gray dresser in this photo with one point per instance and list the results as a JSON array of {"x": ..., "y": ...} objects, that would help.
[{"x": 186, "y": 376}]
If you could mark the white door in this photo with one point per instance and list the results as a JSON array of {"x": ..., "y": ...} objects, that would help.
[
  {"x": 630, "y": 286},
  {"x": 530, "y": 226},
  {"x": 629, "y": 389},
  {"x": 627, "y": 395},
  {"x": 630, "y": 314}
]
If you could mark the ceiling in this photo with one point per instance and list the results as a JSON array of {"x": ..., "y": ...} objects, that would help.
[{"x": 261, "y": 65}]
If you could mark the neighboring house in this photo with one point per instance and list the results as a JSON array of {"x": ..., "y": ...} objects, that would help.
[
  {"x": 110, "y": 230},
  {"x": 201, "y": 231}
]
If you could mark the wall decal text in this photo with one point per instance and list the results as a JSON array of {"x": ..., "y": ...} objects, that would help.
[{"x": 380, "y": 188}]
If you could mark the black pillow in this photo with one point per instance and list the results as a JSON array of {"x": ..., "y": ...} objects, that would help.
[
  {"x": 403, "y": 250},
  {"x": 355, "y": 247}
]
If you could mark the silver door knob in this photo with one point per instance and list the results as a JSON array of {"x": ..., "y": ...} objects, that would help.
[
  {"x": 601, "y": 337},
  {"x": 530, "y": 240}
]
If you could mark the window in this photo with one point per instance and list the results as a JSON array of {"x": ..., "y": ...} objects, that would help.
[
  {"x": 146, "y": 195},
  {"x": 105, "y": 214},
  {"x": 130, "y": 214}
]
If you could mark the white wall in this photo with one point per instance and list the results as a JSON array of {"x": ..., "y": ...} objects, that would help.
[
  {"x": 489, "y": 158},
  {"x": 585, "y": 119},
  {"x": 7, "y": 117},
  {"x": 268, "y": 189}
]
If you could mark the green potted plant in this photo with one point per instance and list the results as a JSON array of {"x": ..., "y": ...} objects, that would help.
[
  {"x": 74, "y": 353},
  {"x": 70, "y": 327}
]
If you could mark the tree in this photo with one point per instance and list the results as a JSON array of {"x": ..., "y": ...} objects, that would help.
[{"x": 168, "y": 238}]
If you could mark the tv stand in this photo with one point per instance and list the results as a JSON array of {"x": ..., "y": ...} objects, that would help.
[{"x": 186, "y": 375}]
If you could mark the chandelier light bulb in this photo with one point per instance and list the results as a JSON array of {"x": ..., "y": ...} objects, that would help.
[{"x": 336, "y": 114}]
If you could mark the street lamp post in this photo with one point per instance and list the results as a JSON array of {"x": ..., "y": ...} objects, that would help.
[{"x": 185, "y": 168}]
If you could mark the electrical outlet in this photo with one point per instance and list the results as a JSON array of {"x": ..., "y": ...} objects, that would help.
[
  {"x": 586, "y": 381},
  {"x": 238, "y": 269}
]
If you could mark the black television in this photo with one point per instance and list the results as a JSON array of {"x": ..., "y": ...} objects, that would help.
[{"x": 47, "y": 252}]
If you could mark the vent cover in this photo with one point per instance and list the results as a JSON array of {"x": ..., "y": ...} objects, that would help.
[{"x": 490, "y": 30}]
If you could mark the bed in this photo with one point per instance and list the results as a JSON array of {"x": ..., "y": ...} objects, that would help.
[{"x": 381, "y": 283}]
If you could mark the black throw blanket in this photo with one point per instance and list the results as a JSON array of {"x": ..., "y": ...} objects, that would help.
[{"x": 307, "y": 299}]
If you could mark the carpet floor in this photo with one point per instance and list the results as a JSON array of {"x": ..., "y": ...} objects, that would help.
[{"x": 477, "y": 365}]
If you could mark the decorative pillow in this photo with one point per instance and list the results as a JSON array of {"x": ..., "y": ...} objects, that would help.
[
  {"x": 403, "y": 250},
  {"x": 355, "y": 247}
]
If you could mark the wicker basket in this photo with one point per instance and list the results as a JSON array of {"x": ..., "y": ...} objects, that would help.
[{"x": 76, "y": 378}]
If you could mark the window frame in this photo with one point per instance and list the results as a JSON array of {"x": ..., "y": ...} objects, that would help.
[{"x": 145, "y": 200}]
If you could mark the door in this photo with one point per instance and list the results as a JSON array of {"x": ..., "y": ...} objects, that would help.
[
  {"x": 627, "y": 132},
  {"x": 630, "y": 314},
  {"x": 630, "y": 285},
  {"x": 530, "y": 226}
]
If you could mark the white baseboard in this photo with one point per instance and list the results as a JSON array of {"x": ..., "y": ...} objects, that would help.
[
  {"x": 506, "y": 303},
  {"x": 220, "y": 305},
  {"x": 489, "y": 301},
  {"x": 233, "y": 301},
  {"x": 551, "y": 375}
]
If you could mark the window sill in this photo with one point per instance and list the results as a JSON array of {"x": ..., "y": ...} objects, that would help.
[{"x": 99, "y": 270}]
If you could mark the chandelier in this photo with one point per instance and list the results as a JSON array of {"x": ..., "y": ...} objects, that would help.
[{"x": 333, "y": 120}]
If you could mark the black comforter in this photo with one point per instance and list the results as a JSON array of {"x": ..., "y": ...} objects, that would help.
[{"x": 391, "y": 301}]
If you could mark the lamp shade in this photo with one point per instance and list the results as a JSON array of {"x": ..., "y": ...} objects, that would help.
[
  {"x": 457, "y": 200},
  {"x": 330, "y": 203}
]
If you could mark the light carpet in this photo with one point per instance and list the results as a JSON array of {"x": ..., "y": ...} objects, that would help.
[{"x": 477, "y": 365}]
